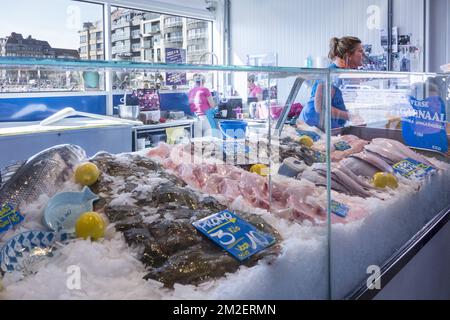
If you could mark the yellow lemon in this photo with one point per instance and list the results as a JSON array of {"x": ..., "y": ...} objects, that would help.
[
  {"x": 86, "y": 174},
  {"x": 379, "y": 180},
  {"x": 306, "y": 140},
  {"x": 383, "y": 180},
  {"x": 260, "y": 169},
  {"x": 90, "y": 224},
  {"x": 391, "y": 181}
]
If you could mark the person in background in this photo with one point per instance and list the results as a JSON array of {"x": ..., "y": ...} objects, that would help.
[
  {"x": 200, "y": 101},
  {"x": 346, "y": 53},
  {"x": 254, "y": 91}
]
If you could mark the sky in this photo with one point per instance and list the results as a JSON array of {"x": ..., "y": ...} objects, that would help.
[{"x": 56, "y": 21}]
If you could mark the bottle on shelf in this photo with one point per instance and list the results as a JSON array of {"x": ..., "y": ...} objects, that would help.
[{"x": 309, "y": 62}]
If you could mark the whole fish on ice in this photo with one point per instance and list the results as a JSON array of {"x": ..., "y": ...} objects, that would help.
[{"x": 44, "y": 173}]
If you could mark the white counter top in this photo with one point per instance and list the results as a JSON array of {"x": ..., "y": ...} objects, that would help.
[
  {"x": 17, "y": 128},
  {"x": 167, "y": 124}
]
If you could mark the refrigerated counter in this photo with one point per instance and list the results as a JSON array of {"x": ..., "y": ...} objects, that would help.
[{"x": 20, "y": 140}]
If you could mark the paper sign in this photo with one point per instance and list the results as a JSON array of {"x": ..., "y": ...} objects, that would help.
[
  {"x": 310, "y": 134},
  {"x": 339, "y": 209},
  {"x": 238, "y": 237},
  {"x": 342, "y": 146},
  {"x": 413, "y": 169},
  {"x": 174, "y": 55},
  {"x": 9, "y": 217},
  {"x": 424, "y": 126}
]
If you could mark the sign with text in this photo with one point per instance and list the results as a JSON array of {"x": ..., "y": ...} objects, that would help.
[
  {"x": 178, "y": 56},
  {"x": 425, "y": 124},
  {"x": 238, "y": 237},
  {"x": 412, "y": 169},
  {"x": 9, "y": 217}
]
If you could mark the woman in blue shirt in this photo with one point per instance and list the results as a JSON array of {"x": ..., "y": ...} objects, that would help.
[{"x": 346, "y": 53}]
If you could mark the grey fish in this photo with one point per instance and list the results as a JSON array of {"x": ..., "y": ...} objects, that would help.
[
  {"x": 340, "y": 181},
  {"x": 375, "y": 160},
  {"x": 359, "y": 167},
  {"x": 44, "y": 173}
]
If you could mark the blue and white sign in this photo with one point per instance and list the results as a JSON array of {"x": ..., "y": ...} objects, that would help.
[
  {"x": 9, "y": 217},
  {"x": 341, "y": 146},
  {"x": 339, "y": 209},
  {"x": 412, "y": 169},
  {"x": 310, "y": 134},
  {"x": 424, "y": 126},
  {"x": 238, "y": 237},
  {"x": 174, "y": 55}
]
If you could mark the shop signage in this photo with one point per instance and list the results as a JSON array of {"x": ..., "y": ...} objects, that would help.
[
  {"x": 424, "y": 126},
  {"x": 238, "y": 237},
  {"x": 178, "y": 56},
  {"x": 412, "y": 169},
  {"x": 9, "y": 217}
]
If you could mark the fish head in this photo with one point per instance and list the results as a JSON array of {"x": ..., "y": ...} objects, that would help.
[
  {"x": 72, "y": 154},
  {"x": 64, "y": 158}
]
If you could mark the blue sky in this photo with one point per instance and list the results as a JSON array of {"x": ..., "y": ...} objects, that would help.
[{"x": 56, "y": 21}]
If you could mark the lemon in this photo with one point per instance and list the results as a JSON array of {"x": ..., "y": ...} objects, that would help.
[
  {"x": 306, "y": 140},
  {"x": 383, "y": 180},
  {"x": 391, "y": 181},
  {"x": 379, "y": 180},
  {"x": 86, "y": 174},
  {"x": 260, "y": 169},
  {"x": 90, "y": 224}
]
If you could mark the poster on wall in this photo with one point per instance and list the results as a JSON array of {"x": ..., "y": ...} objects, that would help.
[
  {"x": 424, "y": 125},
  {"x": 394, "y": 39},
  {"x": 178, "y": 56}
]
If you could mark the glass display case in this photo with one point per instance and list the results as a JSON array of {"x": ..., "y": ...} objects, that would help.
[
  {"x": 332, "y": 180},
  {"x": 398, "y": 133}
]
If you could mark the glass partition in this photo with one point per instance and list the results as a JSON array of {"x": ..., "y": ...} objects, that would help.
[
  {"x": 244, "y": 135},
  {"x": 390, "y": 172},
  {"x": 341, "y": 184}
]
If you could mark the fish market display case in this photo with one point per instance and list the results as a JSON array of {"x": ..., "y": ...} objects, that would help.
[
  {"x": 329, "y": 203},
  {"x": 402, "y": 119}
]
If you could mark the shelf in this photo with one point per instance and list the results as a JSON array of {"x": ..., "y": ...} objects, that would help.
[{"x": 102, "y": 64}]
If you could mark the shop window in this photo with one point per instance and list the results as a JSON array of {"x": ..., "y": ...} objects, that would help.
[
  {"x": 79, "y": 24},
  {"x": 158, "y": 30}
]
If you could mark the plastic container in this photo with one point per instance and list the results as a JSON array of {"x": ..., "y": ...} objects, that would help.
[
  {"x": 309, "y": 62},
  {"x": 128, "y": 112},
  {"x": 64, "y": 208},
  {"x": 157, "y": 138},
  {"x": 140, "y": 144},
  {"x": 233, "y": 129},
  {"x": 91, "y": 79}
]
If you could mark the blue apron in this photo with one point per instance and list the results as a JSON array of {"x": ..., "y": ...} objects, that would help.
[{"x": 309, "y": 114}]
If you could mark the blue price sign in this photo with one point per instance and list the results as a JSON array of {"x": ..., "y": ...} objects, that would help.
[
  {"x": 413, "y": 169},
  {"x": 9, "y": 217},
  {"x": 310, "y": 134},
  {"x": 238, "y": 237},
  {"x": 342, "y": 146},
  {"x": 339, "y": 209},
  {"x": 425, "y": 125}
]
